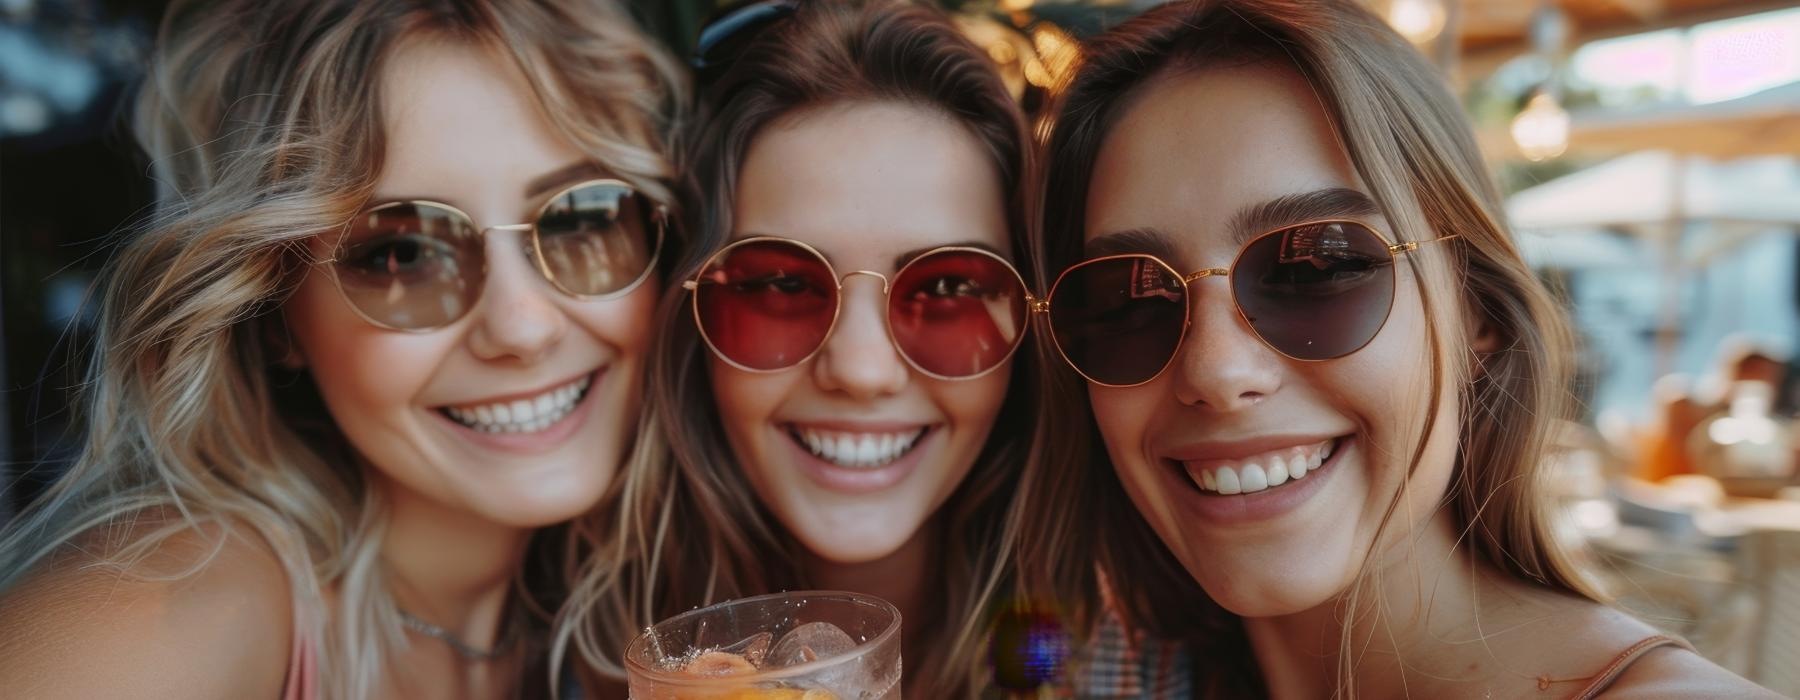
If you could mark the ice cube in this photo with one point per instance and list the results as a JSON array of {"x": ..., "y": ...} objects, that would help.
[
  {"x": 754, "y": 648},
  {"x": 810, "y": 642}
]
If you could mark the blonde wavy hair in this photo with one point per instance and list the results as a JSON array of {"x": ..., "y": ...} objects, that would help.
[
  {"x": 263, "y": 123},
  {"x": 1406, "y": 136}
]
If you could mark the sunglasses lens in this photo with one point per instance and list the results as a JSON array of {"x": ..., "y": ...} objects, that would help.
[
  {"x": 1318, "y": 291},
  {"x": 1119, "y": 320},
  {"x": 957, "y": 313},
  {"x": 766, "y": 305},
  {"x": 595, "y": 239},
  {"x": 410, "y": 265}
]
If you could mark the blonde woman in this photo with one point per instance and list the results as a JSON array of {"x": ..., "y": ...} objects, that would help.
[
  {"x": 1322, "y": 373},
  {"x": 842, "y": 373},
  {"x": 387, "y": 325}
]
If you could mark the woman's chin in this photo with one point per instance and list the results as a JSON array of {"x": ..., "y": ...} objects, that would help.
[
  {"x": 834, "y": 547},
  {"x": 1265, "y": 595},
  {"x": 532, "y": 508}
]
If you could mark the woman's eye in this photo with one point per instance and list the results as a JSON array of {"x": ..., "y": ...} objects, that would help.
[
  {"x": 394, "y": 254},
  {"x": 777, "y": 283},
  {"x": 950, "y": 287}
]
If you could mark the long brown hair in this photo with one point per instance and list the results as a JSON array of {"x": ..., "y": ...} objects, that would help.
[
  {"x": 263, "y": 123},
  {"x": 1406, "y": 136},
  {"x": 715, "y": 540}
]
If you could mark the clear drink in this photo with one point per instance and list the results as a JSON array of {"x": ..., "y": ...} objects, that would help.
[{"x": 803, "y": 645}]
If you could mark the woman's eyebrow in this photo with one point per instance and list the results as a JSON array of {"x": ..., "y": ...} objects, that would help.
[
  {"x": 546, "y": 183},
  {"x": 1299, "y": 208},
  {"x": 1262, "y": 217}
]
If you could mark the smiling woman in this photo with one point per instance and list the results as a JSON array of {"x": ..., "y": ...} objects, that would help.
[
  {"x": 851, "y": 310},
  {"x": 1322, "y": 375},
  {"x": 387, "y": 328}
]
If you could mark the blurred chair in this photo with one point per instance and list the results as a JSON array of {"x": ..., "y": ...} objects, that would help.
[{"x": 1772, "y": 566}]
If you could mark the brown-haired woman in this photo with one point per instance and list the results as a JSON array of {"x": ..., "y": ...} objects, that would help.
[
  {"x": 840, "y": 377},
  {"x": 1323, "y": 375}
]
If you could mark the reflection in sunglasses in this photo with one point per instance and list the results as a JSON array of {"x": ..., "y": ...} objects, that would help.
[
  {"x": 1000, "y": 309},
  {"x": 1151, "y": 280}
]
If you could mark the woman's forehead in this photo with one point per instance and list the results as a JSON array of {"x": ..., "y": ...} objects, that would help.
[
  {"x": 873, "y": 181},
  {"x": 457, "y": 118},
  {"x": 1211, "y": 151}
]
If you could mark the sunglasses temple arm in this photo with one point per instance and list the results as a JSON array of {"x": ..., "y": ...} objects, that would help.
[{"x": 1410, "y": 246}]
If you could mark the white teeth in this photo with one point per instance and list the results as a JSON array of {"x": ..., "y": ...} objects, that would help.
[
  {"x": 1228, "y": 481},
  {"x": 1278, "y": 473},
  {"x": 1259, "y": 472},
  {"x": 1253, "y": 478},
  {"x": 858, "y": 450},
  {"x": 524, "y": 415}
]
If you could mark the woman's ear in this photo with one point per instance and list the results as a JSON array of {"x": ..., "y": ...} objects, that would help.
[{"x": 1483, "y": 337}]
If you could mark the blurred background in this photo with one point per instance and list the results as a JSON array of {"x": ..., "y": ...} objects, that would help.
[{"x": 1649, "y": 151}]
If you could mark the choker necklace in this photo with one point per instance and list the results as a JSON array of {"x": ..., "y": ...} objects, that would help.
[{"x": 461, "y": 648}]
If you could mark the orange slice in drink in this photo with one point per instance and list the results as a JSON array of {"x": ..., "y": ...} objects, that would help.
[{"x": 719, "y": 663}]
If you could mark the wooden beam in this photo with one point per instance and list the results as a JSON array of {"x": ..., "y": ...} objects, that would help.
[
  {"x": 1643, "y": 10},
  {"x": 1479, "y": 64}
]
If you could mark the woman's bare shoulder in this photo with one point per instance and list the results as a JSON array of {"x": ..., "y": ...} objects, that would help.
[
  {"x": 1665, "y": 671},
  {"x": 206, "y": 614},
  {"x": 1675, "y": 672},
  {"x": 1576, "y": 639}
]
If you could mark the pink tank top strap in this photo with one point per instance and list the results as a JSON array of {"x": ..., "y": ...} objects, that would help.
[
  {"x": 303, "y": 669},
  {"x": 1624, "y": 660}
]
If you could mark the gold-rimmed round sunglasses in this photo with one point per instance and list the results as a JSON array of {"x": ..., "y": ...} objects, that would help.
[
  {"x": 1314, "y": 291},
  {"x": 767, "y": 303},
  {"x": 419, "y": 265}
]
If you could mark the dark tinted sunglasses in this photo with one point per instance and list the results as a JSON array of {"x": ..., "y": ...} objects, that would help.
[{"x": 1313, "y": 291}]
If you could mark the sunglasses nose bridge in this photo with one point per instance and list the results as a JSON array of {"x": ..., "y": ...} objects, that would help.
[
  {"x": 525, "y": 242},
  {"x": 1208, "y": 272},
  {"x": 871, "y": 273}
]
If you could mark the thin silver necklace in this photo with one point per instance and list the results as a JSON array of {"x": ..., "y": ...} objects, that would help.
[{"x": 461, "y": 648}]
